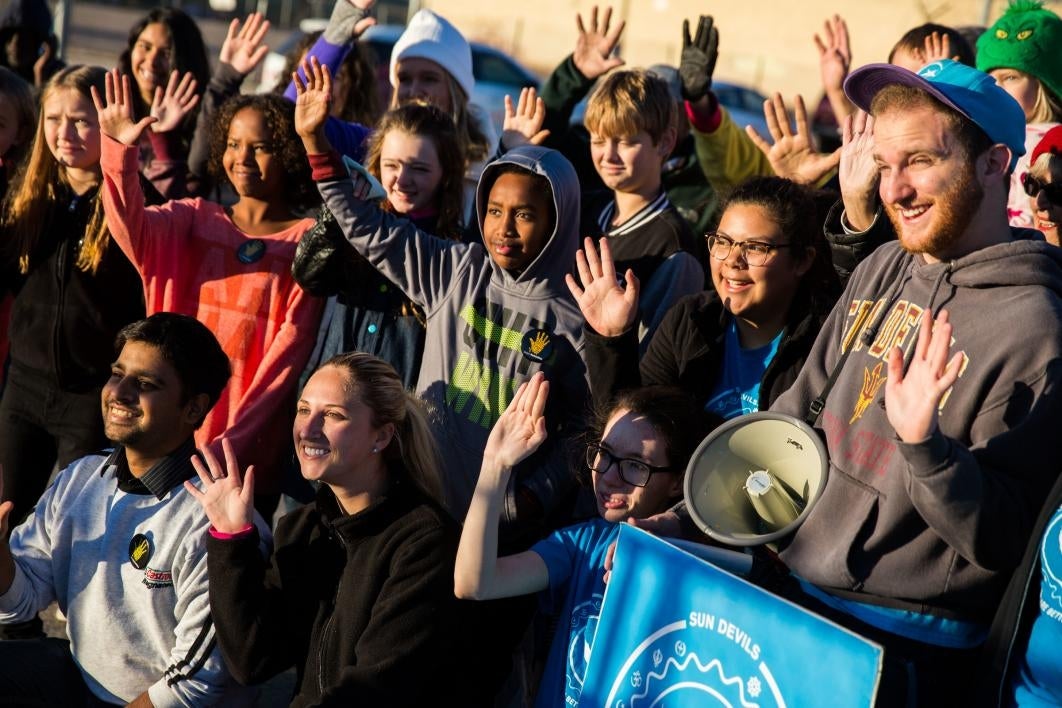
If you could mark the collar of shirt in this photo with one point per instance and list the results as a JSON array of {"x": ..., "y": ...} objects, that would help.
[{"x": 164, "y": 475}]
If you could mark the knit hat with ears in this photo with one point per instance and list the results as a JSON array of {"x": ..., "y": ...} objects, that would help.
[
  {"x": 1027, "y": 38},
  {"x": 429, "y": 36}
]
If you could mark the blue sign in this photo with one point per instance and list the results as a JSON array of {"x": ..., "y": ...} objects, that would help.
[{"x": 676, "y": 631}]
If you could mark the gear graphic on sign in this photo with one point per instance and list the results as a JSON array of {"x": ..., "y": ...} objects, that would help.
[{"x": 753, "y": 687}]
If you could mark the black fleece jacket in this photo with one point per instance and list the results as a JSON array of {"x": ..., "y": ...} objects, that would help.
[
  {"x": 363, "y": 605},
  {"x": 64, "y": 320}
]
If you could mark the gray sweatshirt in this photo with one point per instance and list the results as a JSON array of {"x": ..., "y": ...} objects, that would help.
[
  {"x": 488, "y": 331},
  {"x": 935, "y": 527}
]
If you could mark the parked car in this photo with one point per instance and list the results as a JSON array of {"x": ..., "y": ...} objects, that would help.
[{"x": 497, "y": 74}]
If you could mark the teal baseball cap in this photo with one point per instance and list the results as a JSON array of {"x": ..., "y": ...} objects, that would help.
[{"x": 972, "y": 93}]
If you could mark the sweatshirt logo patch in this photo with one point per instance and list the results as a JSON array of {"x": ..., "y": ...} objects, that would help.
[
  {"x": 537, "y": 345},
  {"x": 872, "y": 381},
  {"x": 158, "y": 578},
  {"x": 140, "y": 551}
]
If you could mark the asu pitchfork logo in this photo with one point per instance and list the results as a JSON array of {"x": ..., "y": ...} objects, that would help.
[{"x": 872, "y": 381}]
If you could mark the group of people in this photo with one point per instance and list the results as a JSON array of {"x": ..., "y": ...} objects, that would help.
[{"x": 469, "y": 354}]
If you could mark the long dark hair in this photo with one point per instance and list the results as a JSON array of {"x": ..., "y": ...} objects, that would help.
[{"x": 188, "y": 54}]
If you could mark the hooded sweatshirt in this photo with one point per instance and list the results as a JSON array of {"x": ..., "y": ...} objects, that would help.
[
  {"x": 488, "y": 330},
  {"x": 935, "y": 527}
]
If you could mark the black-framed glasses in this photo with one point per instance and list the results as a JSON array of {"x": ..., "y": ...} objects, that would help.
[
  {"x": 755, "y": 253},
  {"x": 631, "y": 471},
  {"x": 1051, "y": 190}
]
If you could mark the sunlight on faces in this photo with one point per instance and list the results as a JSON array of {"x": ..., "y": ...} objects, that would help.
[
  {"x": 928, "y": 186},
  {"x": 1022, "y": 87},
  {"x": 150, "y": 59},
  {"x": 631, "y": 436},
  {"x": 142, "y": 402},
  {"x": 517, "y": 224},
  {"x": 410, "y": 171},
  {"x": 248, "y": 160},
  {"x": 333, "y": 432},
  {"x": 72, "y": 129},
  {"x": 756, "y": 294},
  {"x": 629, "y": 164},
  {"x": 423, "y": 80}
]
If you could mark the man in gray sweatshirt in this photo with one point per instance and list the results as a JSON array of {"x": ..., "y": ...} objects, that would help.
[{"x": 120, "y": 545}]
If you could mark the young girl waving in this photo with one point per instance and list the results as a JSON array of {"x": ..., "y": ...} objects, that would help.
[
  {"x": 637, "y": 465},
  {"x": 228, "y": 267}
]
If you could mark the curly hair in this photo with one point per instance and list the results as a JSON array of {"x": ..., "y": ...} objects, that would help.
[
  {"x": 424, "y": 120},
  {"x": 279, "y": 117}
]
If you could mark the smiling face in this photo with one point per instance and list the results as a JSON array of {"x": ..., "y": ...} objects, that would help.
[
  {"x": 249, "y": 160},
  {"x": 143, "y": 406},
  {"x": 71, "y": 129},
  {"x": 928, "y": 185},
  {"x": 517, "y": 223},
  {"x": 757, "y": 294},
  {"x": 1022, "y": 87},
  {"x": 1047, "y": 215},
  {"x": 410, "y": 171},
  {"x": 628, "y": 435},
  {"x": 422, "y": 80},
  {"x": 334, "y": 432},
  {"x": 151, "y": 59}
]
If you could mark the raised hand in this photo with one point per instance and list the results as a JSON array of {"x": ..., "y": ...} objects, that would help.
[
  {"x": 835, "y": 55},
  {"x": 313, "y": 104},
  {"x": 912, "y": 398},
  {"x": 523, "y": 125},
  {"x": 609, "y": 309},
  {"x": 594, "y": 46},
  {"x": 171, "y": 106},
  {"x": 937, "y": 48},
  {"x": 243, "y": 48},
  {"x": 116, "y": 115},
  {"x": 858, "y": 173},
  {"x": 521, "y": 428},
  {"x": 792, "y": 155},
  {"x": 227, "y": 500},
  {"x": 698, "y": 58}
]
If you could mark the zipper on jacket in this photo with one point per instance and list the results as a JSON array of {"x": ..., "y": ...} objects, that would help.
[
  {"x": 60, "y": 286},
  {"x": 330, "y": 621}
]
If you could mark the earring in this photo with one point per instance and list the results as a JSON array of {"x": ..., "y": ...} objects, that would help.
[{"x": 374, "y": 450}]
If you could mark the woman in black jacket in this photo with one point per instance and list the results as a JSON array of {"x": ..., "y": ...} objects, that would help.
[
  {"x": 735, "y": 347},
  {"x": 359, "y": 593}
]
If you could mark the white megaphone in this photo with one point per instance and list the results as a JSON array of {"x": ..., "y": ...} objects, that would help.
[{"x": 755, "y": 478}]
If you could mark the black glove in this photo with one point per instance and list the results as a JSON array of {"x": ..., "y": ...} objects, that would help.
[{"x": 698, "y": 58}]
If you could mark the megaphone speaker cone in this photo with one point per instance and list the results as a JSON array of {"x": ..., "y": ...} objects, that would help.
[{"x": 755, "y": 478}]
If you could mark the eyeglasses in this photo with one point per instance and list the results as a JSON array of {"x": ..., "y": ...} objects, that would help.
[
  {"x": 1051, "y": 190},
  {"x": 755, "y": 253},
  {"x": 631, "y": 471}
]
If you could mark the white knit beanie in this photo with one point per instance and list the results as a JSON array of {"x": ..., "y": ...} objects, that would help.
[{"x": 429, "y": 36}]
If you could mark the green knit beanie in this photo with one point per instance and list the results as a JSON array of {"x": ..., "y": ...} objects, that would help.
[{"x": 1027, "y": 38}]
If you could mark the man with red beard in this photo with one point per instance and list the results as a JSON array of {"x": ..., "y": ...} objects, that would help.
[
  {"x": 119, "y": 544},
  {"x": 940, "y": 414}
]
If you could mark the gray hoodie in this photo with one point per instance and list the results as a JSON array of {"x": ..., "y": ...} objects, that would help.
[
  {"x": 936, "y": 527},
  {"x": 488, "y": 330}
]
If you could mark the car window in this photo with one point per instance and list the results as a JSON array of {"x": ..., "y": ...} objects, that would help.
[{"x": 496, "y": 69}]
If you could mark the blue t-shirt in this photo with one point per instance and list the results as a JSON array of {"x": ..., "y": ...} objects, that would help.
[
  {"x": 575, "y": 558},
  {"x": 1038, "y": 681},
  {"x": 738, "y": 390}
]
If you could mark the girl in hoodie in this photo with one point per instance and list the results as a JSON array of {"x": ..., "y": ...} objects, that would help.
[
  {"x": 416, "y": 155},
  {"x": 74, "y": 290},
  {"x": 641, "y": 444},
  {"x": 230, "y": 267}
]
